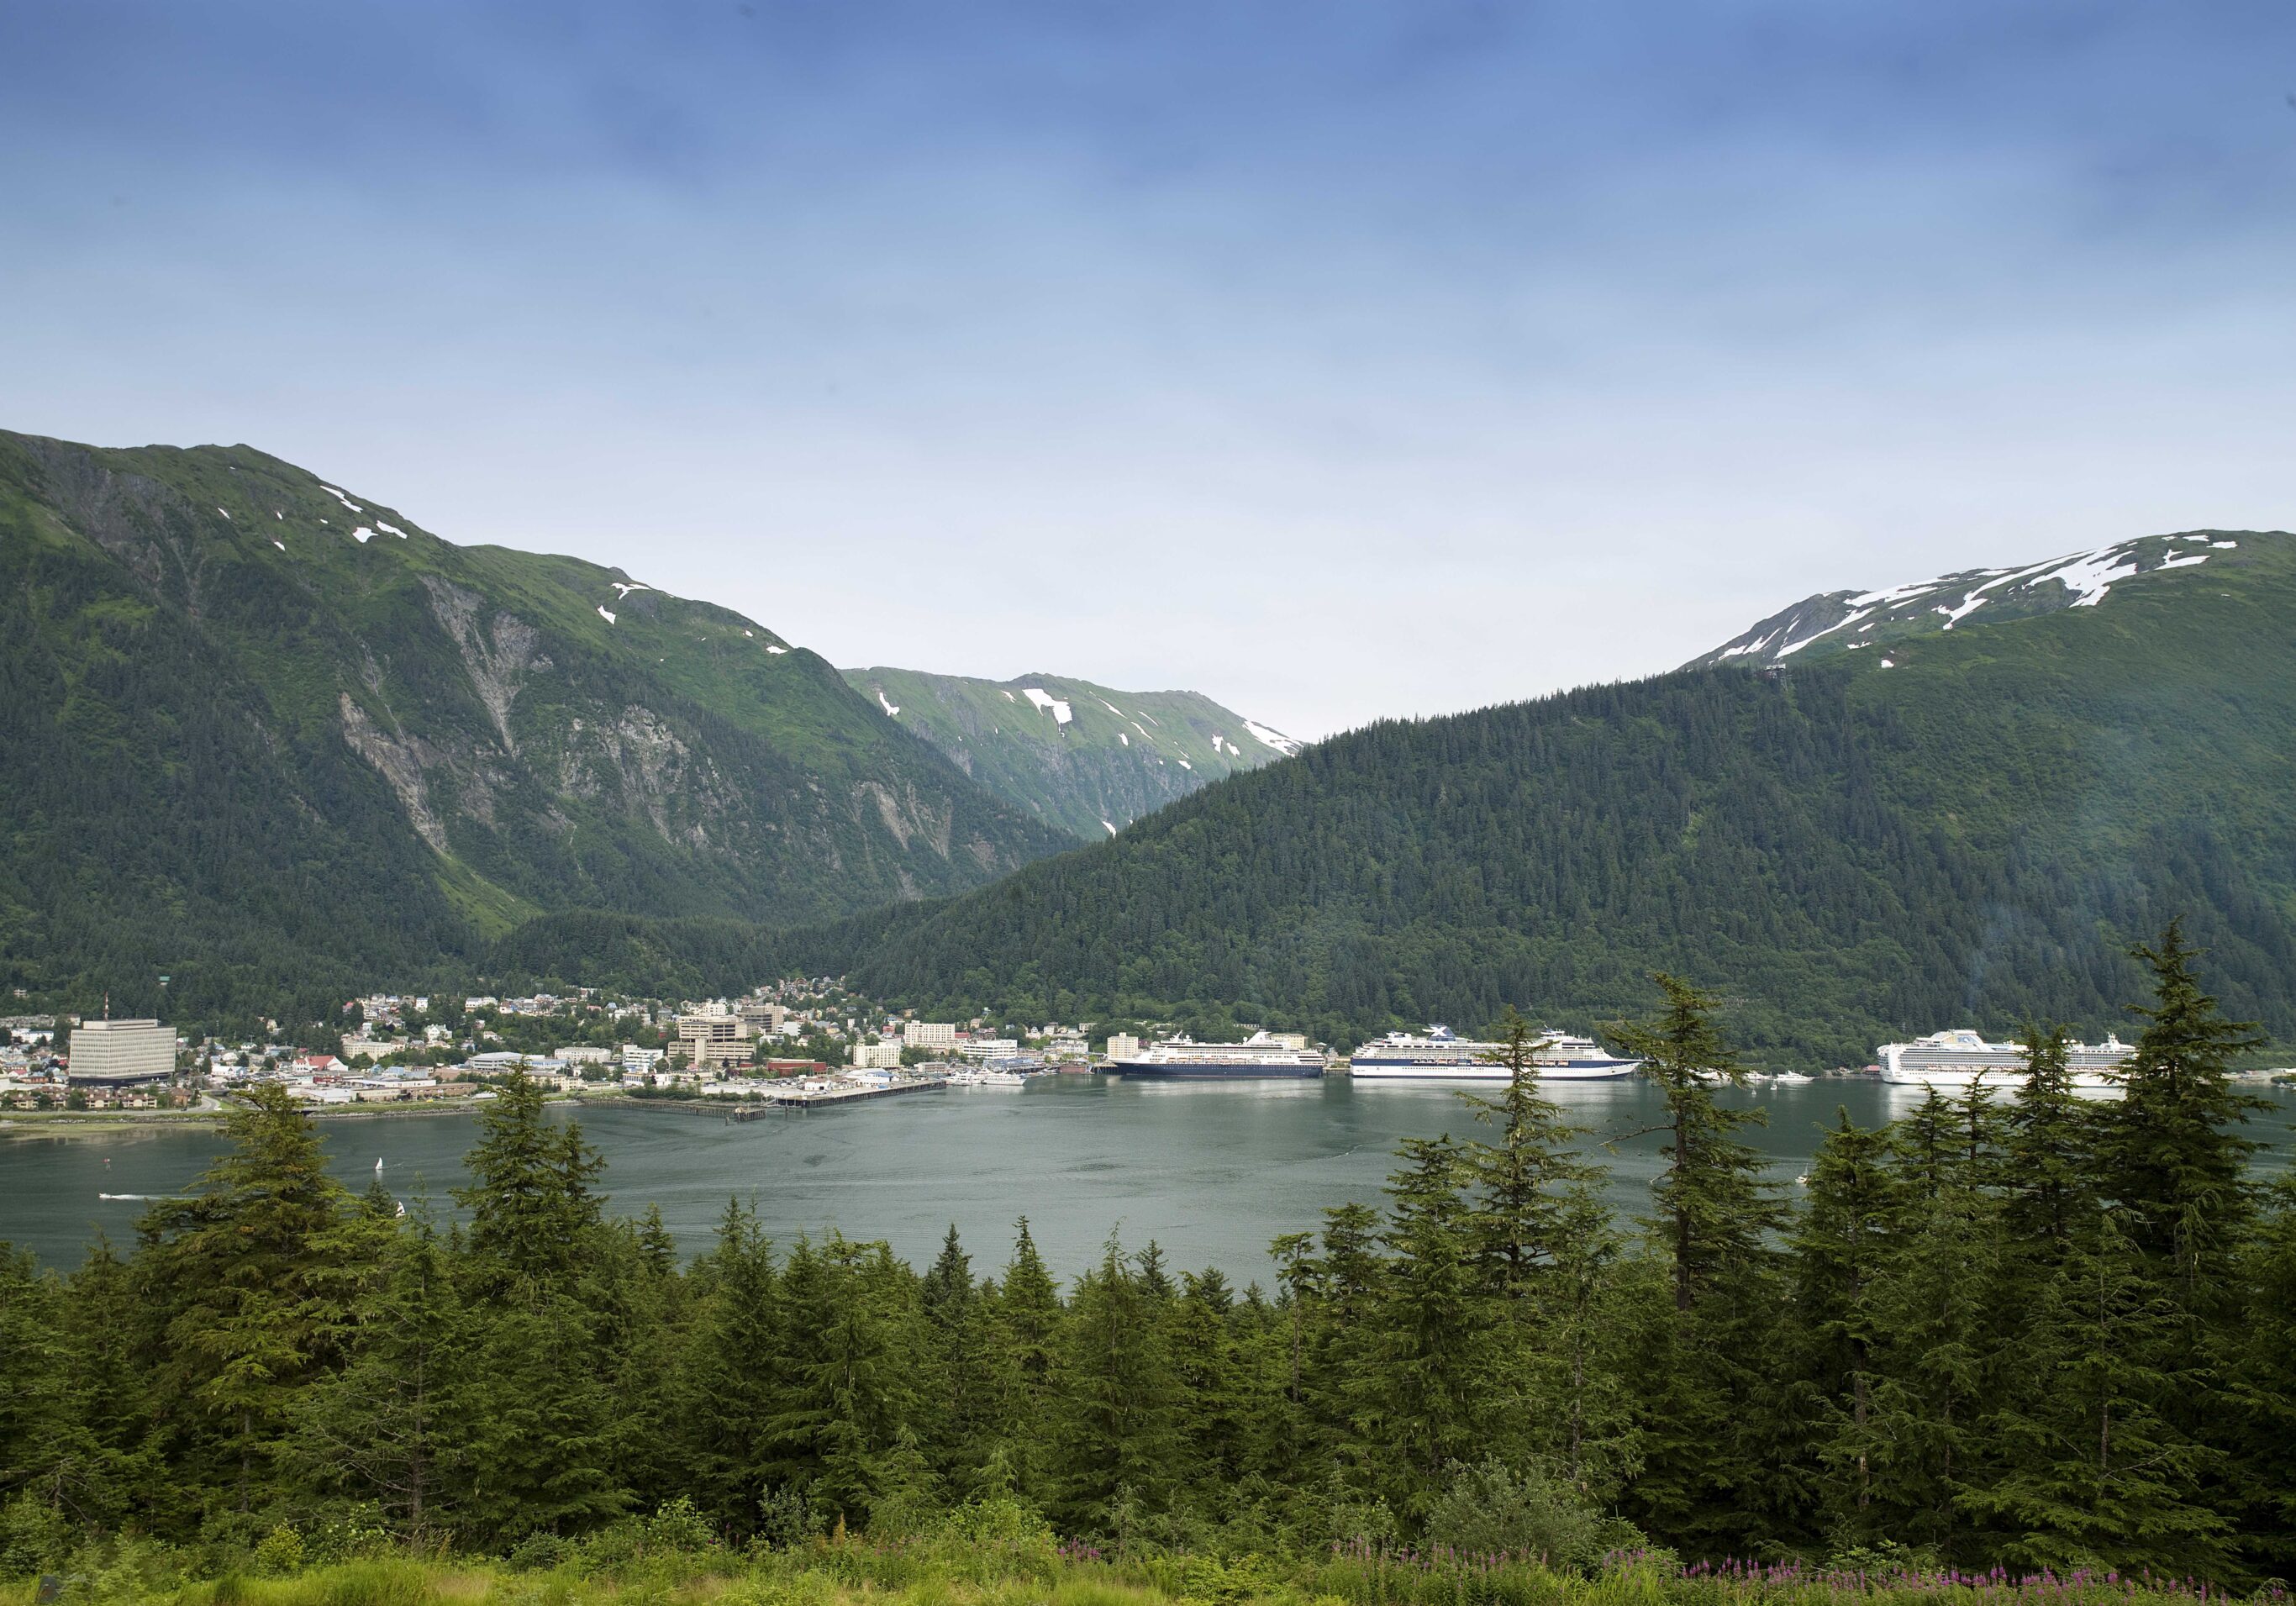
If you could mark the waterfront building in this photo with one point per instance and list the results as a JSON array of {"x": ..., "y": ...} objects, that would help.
[
  {"x": 929, "y": 1034},
  {"x": 113, "y": 1053},
  {"x": 1123, "y": 1046}
]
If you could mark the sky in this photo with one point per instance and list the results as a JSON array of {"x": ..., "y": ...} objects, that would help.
[{"x": 1338, "y": 360}]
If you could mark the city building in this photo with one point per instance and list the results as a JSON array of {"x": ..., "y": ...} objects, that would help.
[
  {"x": 761, "y": 1017},
  {"x": 1123, "y": 1046},
  {"x": 713, "y": 1040},
  {"x": 885, "y": 1054},
  {"x": 929, "y": 1034},
  {"x": 990, "y": 1048},
  {"x": 116, "y": 1052}
]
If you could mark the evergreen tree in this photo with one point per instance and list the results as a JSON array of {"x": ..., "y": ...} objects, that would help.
[
  {"x": 1842, "y": 1245},
  {"x": 2096, "y": 1472},
  {"x": 2172, "y": 1156},
  {"x": 1714, "y": 1207},
  {"x": 377, "y": 1429},
  {"x": 729, "y": 1380},
  {"x": 240, "y": 1279},
  {"x": 2049, "y": 1143},
  {"x": 1433, "y": 1326},
  {"x": 1116, "y": 1431}
]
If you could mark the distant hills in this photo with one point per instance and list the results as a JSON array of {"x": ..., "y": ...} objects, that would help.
[
  {"x": 1854, "y": 820},
  {"x": 1086, "y": 758},
  {"x": 259, "y": 730}
]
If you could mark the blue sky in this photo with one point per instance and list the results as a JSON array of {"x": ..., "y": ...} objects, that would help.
[{"x": 1336, "y": 359}]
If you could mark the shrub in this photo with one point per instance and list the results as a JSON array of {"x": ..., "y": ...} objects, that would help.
[
  {"x": 278, "y": 1553},
  {"x": 1491, "y": 1509}
]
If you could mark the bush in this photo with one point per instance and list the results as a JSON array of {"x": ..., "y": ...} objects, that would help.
[
  {"x": 278, "y": 1553},
  {"x": 1491, "y": 1509},
  {"x": 34, "y": 1536}
]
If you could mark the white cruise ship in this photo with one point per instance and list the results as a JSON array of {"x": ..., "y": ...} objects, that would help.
[
  {"x": 1263, "y": 1054},
  {"x": 1439, "y": 1056},
  {"x": 1955, "y": 1061}
]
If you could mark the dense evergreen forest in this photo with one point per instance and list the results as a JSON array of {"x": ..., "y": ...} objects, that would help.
[
  {"x": 1971, "y": 833},
  {"x": 2050, "y": 1333}
]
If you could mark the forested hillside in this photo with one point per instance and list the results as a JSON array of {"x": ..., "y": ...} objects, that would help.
[
  {"x": 1089, "y": 758},
  {"x": 273, "y": 740},
  {"x": 1971, "y": 827}
]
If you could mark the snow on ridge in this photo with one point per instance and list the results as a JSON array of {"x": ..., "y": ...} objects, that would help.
[
  {"x": 625, "y": 589},
  {"x": 339, "y": 496},
  {"x": 2185, "y": 560},
  {"x": 282, "y": 545},
  {"x": 1120, "y": 736},
  {"x": 1062, "y": 712},
  {"x": 1186, "y": 765},
  {"x": 362, "y": 535},
  {"x": 771, "y": 648},
  {"x": 1104, "y": 703},
  {"x": 2223, "y": 545},
  {"x": 390, "y": 529},
  {"x": 1008, "y": 696},
  {"x": 1112, "y": 830},
  {"x": 1276, "y": 738},
  {"x": 604, "y": 614},
  {"x": 892, "y": 708},
  {"x": 224, "y": 514}
]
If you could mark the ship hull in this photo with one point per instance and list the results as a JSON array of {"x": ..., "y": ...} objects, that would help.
[
  {"x": 1214, "y": 1070},
  {"x": 1423, "y": 1070}
]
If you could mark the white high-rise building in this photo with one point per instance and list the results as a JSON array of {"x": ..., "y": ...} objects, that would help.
[
  {"x": 1123, "y": 1046},
  {"x": 119, "y": 1051},
  {"x": 929, "y": 1034}
]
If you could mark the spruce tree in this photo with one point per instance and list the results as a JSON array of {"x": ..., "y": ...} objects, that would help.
[
  {"x": 1433, "y": 1323},
  {"x": 1848, "y": 1229},
  {"x": 1116, "y": 1413},
  {"x": 2095, "y": 1472},
  {"x": 241, "y": 1278},
  {"x": 729, "y": 1380},
  {"x": 378, "y": 1430},
  {"x": 2173, "y": 1157}
]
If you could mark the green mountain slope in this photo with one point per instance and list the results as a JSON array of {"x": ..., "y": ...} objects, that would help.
[
  {"x": 1853, "y": 852},
  {"x": 257, "y": 730},
  {"x": 1084, "y": 757}
]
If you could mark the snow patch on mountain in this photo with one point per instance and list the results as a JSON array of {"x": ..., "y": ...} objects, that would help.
[
  {"x": 1062, "y": 712},
  {"x": 891, "y": 708},
  {"x": 1276, "y": 738}
]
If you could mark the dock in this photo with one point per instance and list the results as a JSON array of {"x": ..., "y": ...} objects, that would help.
[{"x": 833, "y": 1098}]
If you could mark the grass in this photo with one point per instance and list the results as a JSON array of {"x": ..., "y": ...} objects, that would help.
[{"x": 842, "y": 1572}]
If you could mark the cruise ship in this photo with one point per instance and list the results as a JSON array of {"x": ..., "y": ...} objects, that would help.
[
  {"x": 1263, "y": 1054},
  {"x": 1955, "y": 1061},
  {"x": 1439, "y": 1056}
]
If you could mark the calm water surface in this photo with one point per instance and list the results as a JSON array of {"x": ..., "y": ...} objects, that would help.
[{"x": 1212, "y": 1172}]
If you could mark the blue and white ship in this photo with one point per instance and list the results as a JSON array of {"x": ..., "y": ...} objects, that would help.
[
  {"x": 1262, "y": 1054},
  {"x": 1439, "y": 1056}
]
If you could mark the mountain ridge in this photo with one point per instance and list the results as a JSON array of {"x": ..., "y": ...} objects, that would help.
[{"x": 1087, "y": 757}]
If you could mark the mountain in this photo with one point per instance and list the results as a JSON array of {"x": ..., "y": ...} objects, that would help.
[
  {"x": 1082, "y": 756},
  {"x": 1955, "y": 826},
  {"x": 1846, "y": 621},
  {"x": 257, "y": 730}
]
